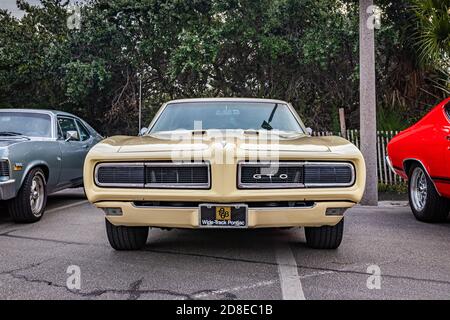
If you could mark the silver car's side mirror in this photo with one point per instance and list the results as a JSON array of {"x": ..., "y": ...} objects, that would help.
[
  {"x": 72, "y": 135},
  {"x": 309, "y": 131},
  {"x": 143, "y": 131}
]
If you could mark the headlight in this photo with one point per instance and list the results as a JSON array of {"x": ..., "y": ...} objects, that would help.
[{"x": 4, "y": 170}]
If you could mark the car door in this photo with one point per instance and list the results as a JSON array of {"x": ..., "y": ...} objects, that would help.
[
  {"x": 445, "y": 183},
  {"x": 86, "y": 137},
  {"x": 73, "y": 152}
]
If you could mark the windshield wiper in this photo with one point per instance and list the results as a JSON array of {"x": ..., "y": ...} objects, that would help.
[
  {"x": 266, "y": 124},
  {"x": 195, "y": 132},
  {"x": 251, "y": 131},
  {"x": 13, "y": 134},
  {"x": 10, "y": 133}
]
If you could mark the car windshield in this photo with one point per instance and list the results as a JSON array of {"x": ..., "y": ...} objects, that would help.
[
  {"x": 227, "y": 115},
  {"x": 25, "y": 124}
]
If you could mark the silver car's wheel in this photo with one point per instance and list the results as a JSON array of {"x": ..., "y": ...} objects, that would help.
[
  {"x": 29, "y": 203},
  {"x": 426, "y": 203},
  {"x": 37, "y": 194},
  {"x": 418, "y": 189}
]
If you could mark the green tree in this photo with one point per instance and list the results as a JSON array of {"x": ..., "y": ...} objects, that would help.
[
  {"x": 433, "y": 38},
  {"x": 433, "y": 31},
  {"x": 303, "y": 51}
]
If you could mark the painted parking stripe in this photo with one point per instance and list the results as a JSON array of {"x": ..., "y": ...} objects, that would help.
[
  {"x": 236, "y": 289},
  {"x": 78, "y": 203},
  {"x": 291, "y": 286}
]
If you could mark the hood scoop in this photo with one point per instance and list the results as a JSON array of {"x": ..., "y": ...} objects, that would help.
[
  {"x": 286, "y": 147},
  {"x": 198, "y": 142},
  {"x": 162, "y": 147}
]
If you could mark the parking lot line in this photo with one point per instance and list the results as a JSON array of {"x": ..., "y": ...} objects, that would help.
[
  {"x": 74, "y": 204},
  {"x": 235, "y": 289},
  {"x": 291, "y": 286}
]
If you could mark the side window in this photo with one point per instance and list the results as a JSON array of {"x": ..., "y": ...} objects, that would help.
[
  {"x": 84, "y": 133},
  {"x": 447, "y": 110},
  {"x": 67, "y": 124}
]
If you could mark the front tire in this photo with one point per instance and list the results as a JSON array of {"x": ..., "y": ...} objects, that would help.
[
  {"x": 126, "y": 238},
  {"x": 425, "y": 202},
  {"x": 29, "y": 204},
  {"x": 325, "y": 237}
]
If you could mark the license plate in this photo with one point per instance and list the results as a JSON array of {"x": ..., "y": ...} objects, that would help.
[{"x": 223, "y": 216}]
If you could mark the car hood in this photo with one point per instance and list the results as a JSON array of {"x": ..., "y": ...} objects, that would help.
[
  {"x": 167, "y": 142},
  {"x": 4, "y": 143}
]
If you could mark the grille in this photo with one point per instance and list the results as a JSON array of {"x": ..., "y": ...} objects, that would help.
[
  {"x": 173, "y": 175},
  {"x": 4, "y": 168},
  {"x": 130, "y": 174},
  {"x": 264, "y": 174},
  {"x": 153, "y": 174},
  {"x": 328, "y": 174},
  {"x": 252, "y": 204},
  {"x": 295, "y": 175}
]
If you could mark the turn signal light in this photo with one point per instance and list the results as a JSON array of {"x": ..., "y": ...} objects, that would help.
[
  {"x": 113, "y": 211},
  {"x": 335, "y": 211}
]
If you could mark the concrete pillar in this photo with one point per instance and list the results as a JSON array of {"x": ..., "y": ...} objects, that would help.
[{"x": 367, "y": 96}]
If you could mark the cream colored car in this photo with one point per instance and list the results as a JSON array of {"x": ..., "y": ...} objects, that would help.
[{"x": 224, "y": 163}]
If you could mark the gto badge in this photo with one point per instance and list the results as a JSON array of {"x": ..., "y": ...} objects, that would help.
[{"x": 258, "y": 176}]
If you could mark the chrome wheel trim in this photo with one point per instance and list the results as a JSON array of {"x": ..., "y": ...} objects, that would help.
[
  {"x": 37, "y": 195},
  {"x": 418, "y": 189}
]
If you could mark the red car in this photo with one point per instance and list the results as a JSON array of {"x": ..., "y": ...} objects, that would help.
[{"x": 421, "y": 154}]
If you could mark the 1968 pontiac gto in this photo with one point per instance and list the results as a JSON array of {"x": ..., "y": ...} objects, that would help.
[
  {"x": 40, "y": 152},
  {"x": 224, "y": 163}
]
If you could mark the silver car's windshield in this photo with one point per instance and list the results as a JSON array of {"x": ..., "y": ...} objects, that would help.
[
  {"x": 25, "y": 124},
  {"x": 227, "y": 115}
]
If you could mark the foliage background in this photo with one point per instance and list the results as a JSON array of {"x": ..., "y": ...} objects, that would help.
[{"x": 302, "y": 51}]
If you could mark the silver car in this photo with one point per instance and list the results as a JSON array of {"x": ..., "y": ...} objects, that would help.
[{"x": 41, "y": 152}]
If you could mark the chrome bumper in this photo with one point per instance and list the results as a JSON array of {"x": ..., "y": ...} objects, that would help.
[
  {"x": 185, "y": 217},
  {"x": 389, "y": 163},
  {"x": 7, "y": 189}
]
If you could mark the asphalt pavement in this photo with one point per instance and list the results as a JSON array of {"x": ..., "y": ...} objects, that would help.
[{"x": 385, "y": 254}]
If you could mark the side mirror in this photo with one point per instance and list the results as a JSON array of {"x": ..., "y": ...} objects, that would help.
[
  {"x": 72, "y": 135},
  {"x": 143, "y": 131},
  {"x": 309, "y": 131}
]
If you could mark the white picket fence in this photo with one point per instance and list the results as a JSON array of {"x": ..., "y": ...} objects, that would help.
[{"x": 385, "y": 175}]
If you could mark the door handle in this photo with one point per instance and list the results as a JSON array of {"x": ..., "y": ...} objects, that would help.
[{"x": 448, "y": 137}]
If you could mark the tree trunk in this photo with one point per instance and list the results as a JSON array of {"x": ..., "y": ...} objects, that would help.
[{"x": 368, "y": 121}]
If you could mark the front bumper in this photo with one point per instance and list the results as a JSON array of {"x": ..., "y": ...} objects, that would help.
[
  {"x": 7, "y": 189},
  {"x": 257, "y": 217},
  {"x": 390, "y": 166}
]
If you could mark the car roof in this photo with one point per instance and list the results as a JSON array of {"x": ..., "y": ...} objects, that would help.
[
  {"x": 45, "y": 111},
  {"x": 226, "y": 100}
]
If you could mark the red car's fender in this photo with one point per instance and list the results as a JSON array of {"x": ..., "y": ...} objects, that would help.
[{"x": 428, "y": 143}]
